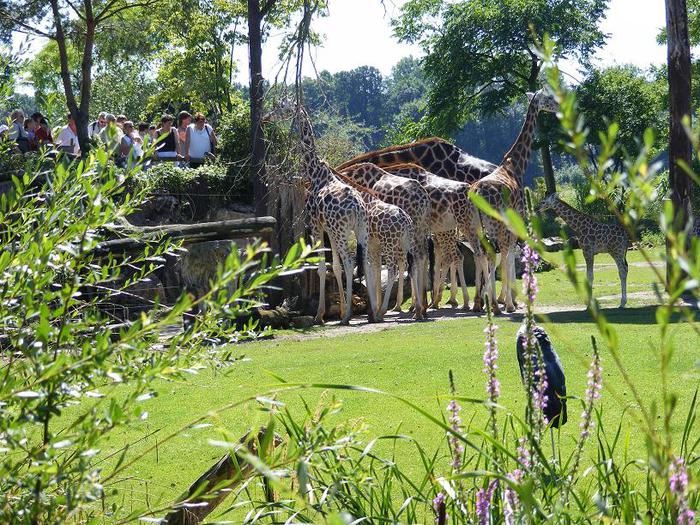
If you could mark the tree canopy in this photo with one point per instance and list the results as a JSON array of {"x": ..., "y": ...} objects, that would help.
[{"x": 481, "y": 55}]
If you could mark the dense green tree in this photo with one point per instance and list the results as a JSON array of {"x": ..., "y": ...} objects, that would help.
[
  {"x": 75, "y": 23},
  {"x": 624, "y": 94},
  {"x": 481, "y": 56}
]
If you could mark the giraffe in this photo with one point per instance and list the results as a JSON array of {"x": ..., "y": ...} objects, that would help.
[
  {"x": 451, "y": 211},
  {"x": 593, "y": 237},
  {"x": 448, "y": 257},
  {"x": 434, "y": 154},
  {"x": 504, "y": 188},
  {"x": 338, "y": 209},
  {"x": 410, "y": 196},
  {"x": 391, "y": 238},
  {"x": 438, "y": 157}
]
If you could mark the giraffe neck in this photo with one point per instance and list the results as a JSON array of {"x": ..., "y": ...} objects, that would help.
[
  {"x": 571, "y": 216},
  {"x": 318, "y": 173},
  {"x": 518, "y": 155}
]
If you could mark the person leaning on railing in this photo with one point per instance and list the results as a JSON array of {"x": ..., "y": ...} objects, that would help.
[{"x": 200, "y": 141}]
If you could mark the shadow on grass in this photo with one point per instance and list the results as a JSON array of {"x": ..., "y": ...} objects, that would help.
[{"x": 638, "y": 315}]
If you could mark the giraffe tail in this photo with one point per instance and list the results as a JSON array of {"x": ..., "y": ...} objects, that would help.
[
  {"x": 360, "y": 260},
  {"x": 409, "y": 263},
  {"x": 431, "y": 258}
]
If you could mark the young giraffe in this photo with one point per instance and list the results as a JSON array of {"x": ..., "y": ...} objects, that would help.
[
  {"x": 410, "y": 196},
  {"x": 452, "y": 211},
  {"x": 503, "y": 189},
  {"x": 448, "y": 257},
  {"x": 392, "y": 238},
  {"x": 339, "y": 210},
  {"x": 435, "y": 155},
  {"x": 593, "y": 237}
]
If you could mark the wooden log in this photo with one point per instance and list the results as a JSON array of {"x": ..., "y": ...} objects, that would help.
[
  {"x": 139, "y": 237},
  {"x": 212, "y": 487}
]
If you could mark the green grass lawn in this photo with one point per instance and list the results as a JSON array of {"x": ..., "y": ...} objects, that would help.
[{"x": 412, "y": 361}]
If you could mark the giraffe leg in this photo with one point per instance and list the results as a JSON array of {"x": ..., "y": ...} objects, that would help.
[
  {"x": 338, "y": 273},
  {"x": 399, "y": 290},
  {"x": 374, "y": 254},
  {"x": 321, "y": 288},
  {"x": 347, "y": 266},
  {"x": 502, "y": 295},
  {"x": 589, "y": 257},
  {"x": 391, "y": 277},
  {"x": 506, "y": 282},
  {"x": 622, "y": 269},
  {"x": 463, "y": 284},
  {"x": 437, "y": 279},
  {"x": 482, "y": 274},
  {"x": 491, "y": 287},
  {"x": 370, "y": 276},
  {"x": 453, "y": 285},
  {"x": 513, "y": 279},
  {"x": 416, "y": 282}
]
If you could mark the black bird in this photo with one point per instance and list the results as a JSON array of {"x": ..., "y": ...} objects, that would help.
[{"x": 555, "y": 411}]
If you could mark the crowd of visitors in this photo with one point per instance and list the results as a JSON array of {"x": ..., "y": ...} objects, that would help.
[{"x": 190, "y": 143}]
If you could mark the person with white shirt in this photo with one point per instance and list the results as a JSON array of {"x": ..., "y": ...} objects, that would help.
[
  {"x": 17, "y": 131},
  {"x": 68, "y": 137},
  {"x": 95, "y": 127},
  {"x": 199, "y": 142}
]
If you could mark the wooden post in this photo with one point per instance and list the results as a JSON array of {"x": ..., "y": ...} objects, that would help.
[
  {"x": 679, "y": 147},
  {"x": 212, "y": 487}
]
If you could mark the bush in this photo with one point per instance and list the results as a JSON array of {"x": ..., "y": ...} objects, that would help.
[
  {"x": 233, "y": 131},
  {"x": 167, "y": 178},
  {"x": 60, "y": 346}
]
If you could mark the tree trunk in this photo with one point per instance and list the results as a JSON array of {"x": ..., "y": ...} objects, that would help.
[
  {"x": 83, "y": 116},
  {"x": 257, "y": 164},
  {"x": 548, "y": 170},
  {"x": 679, "y": 147}
]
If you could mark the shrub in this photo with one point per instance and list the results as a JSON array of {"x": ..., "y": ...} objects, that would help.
[
  {"x": 60, "y": 347},
  {"x": 167, "y": 178},
  {"x": 234, "y": 146}
]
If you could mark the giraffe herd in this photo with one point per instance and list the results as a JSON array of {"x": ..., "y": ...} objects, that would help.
[{"x": 391, "y": 201}]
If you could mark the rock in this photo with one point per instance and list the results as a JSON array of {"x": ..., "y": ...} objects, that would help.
[
  {"x": 302, "y": 321},
  {"x": 553, "y": 244}
]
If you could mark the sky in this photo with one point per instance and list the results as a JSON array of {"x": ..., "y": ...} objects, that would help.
[{"x": 358, "y": 32}]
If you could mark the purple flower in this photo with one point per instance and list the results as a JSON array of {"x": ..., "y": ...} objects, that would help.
[
  {"x": 455, "y": 421},
  {"x": 678, "y": 483},
  {"x": 483, "y": 503},
  {"x": 531, "y": 260},
  {"x": 595, "y": 384},
  {"x": 493, "y": 386},
  {"x": 440, "y": 509}
]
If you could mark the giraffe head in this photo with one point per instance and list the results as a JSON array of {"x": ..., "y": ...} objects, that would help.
[
  {"x": 282, "y": 109},
  {"x": 548, "y": 202},
  {"x": 544, "y": 101}
]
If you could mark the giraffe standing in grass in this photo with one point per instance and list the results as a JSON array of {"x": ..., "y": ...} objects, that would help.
[
  {"x": 392, "y": 239},
  {"x": 338, "y": 209},
  {"x": 594, "y": 237},
  {"x": 448, "y": 258},
  {"x": 503, "y": 189},
  {"x": 452, "y": 213},
  {"x": 410, "y": 196}
]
